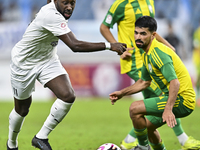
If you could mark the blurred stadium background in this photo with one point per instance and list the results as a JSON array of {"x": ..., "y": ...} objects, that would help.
[{"x": 94, "y": 74}]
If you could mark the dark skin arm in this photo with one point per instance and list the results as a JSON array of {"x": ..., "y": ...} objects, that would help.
[
  {"x": 105, "y": 31},
  {"x": 48, "y": 1},
  {"x": 81, "y": 46}
]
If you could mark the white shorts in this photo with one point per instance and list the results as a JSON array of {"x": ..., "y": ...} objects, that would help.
[{"x": 23, "y": 81}]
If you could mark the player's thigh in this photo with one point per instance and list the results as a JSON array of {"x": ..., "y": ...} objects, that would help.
[
  {"x": 154, "y": 108},
  {"x": 179, "y": 109},
  {"x": 22, "y": 82},
  {"x": 156, "y": 105},
  {"x": 55, "y": 77},
  {"x": 61, "y": 86}
]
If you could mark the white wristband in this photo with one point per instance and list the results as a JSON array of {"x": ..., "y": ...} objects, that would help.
[{"x": 108, "y": 45}]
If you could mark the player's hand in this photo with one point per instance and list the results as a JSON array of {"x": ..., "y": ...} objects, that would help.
[
  {"x": 126, "y": 55},
  {"x": 169, "y": 118},
  {"x": 120, "y": 48},
  {"x": 115, "y": 96}
]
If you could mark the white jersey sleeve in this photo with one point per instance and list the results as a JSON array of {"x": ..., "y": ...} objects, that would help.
[
  {"x": 55, "y": 23},
  {"x": 39, "y": 42}
]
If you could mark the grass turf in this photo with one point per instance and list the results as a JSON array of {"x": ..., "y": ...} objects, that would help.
[{"x": 90, "y": 123}]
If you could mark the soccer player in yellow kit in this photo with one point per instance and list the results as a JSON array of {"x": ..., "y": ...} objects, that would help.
[
  {"x": 165, "y": 68},
  {"x": 125, "y": 13}
]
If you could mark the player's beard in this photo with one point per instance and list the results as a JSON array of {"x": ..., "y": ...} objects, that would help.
[
  {"x": 139, "y": 43},
  {"x": 67, "y": 15}
]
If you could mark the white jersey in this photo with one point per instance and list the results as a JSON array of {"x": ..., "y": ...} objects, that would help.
[{"x": 40, "y": 40}]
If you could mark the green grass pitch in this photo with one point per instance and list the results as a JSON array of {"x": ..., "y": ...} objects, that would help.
[{"x": 90, "y": 123}]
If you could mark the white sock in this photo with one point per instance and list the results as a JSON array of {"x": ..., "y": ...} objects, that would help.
[
  {"x": 129, "y": 139},
  {"x": 15, "y": 123},
  {"x": 182, "y": 138},
  {"x": 58, "y": 111}
]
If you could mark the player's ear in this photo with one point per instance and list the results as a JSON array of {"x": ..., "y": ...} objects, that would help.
[{"x": 154, "y": 34}]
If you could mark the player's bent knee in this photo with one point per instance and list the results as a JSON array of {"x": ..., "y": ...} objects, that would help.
[
  {"x": 68, "y": 96},
  {"x": 133, "y": 110},
  {"x": 71, "y": 98}
]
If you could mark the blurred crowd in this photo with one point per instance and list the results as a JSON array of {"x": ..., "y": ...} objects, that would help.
[
  {"x": 184, "y": 11},
  {"x": 180, "y": 15},
  {"x": 180, "y": 19},
  {"x": 15, "y": 10}
]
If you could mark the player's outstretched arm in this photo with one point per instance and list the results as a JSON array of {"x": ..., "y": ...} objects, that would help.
[
  {"x": 106, "y": 33},
  {"x": 82, "y": 46},
  {"x": 135, "y": 88}
]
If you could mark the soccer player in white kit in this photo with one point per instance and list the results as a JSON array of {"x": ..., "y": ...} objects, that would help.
[{"x": 34, "y": 58}]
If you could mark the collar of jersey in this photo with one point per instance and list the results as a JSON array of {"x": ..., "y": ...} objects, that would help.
[{"x": 152, "y": 46}]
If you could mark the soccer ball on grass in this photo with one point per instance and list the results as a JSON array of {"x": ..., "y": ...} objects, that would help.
[{"x": 109, "y": 146}]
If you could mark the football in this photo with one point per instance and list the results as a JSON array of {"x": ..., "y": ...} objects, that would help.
[{"x": 108, "y": 146}]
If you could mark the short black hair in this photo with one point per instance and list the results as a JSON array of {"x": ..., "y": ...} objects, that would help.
[{"x": 146, "y": 22}]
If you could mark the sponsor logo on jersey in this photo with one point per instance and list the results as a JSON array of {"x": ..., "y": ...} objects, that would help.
[
  {"x": 63, "y": 25},
  {"x": 150, "y": 8},
  {"x": 150, "y": 68},
  {"x": 108, "y": 19}
]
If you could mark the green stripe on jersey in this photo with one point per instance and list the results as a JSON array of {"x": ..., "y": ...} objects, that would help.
[
  {"x": 116, "y": 4},
  {"x": 137, "y": 9},
  {"x": 151, "y": 11}
]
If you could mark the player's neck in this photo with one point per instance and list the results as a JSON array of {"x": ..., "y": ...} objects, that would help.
[{"x": 148, "y": 47}]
